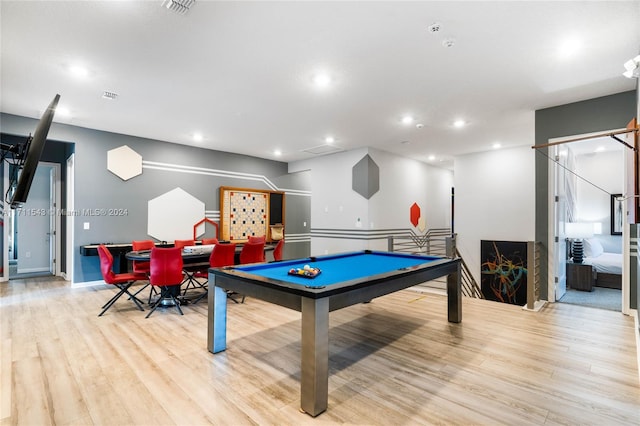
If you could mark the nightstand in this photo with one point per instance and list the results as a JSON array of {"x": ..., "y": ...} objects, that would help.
[{"x": 581, "y": 276}]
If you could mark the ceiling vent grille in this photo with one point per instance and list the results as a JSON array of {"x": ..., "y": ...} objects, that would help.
[
  {"x": 323, "y": 149},
  {"x": 109, "y": 95},
  {"x": 179, "y": 6}
]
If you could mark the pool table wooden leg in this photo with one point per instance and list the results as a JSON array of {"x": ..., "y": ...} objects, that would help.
[
  {"x": 216, "y": 317},
  {"x": 314, "y": 378},
  {"x": 454, "y": 296}
]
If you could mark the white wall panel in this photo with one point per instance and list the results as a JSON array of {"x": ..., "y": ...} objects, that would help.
[{"x": 494, "y": 200}]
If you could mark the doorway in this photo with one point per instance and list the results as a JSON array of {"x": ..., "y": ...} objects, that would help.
[
  {"x": 33, "y": 245},
  {"x": 584, "y": 175}
]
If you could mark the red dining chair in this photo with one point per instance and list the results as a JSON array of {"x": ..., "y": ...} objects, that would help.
[
  {"x": 222, "y": 255},
  {"x": 209, "y": 241},
  {"x": 277, "y": 251},
  {"x": 260, "y": 239},
  {"x": 257, "y": 239},
  {"x": 121, "y": 281},
  {"x": 189, "y": 278},
  {"x": 166, "y": 274},
  {"x": 252, "y": 253},
  {"x": 141, "y": 266},
  {"x": 183, "y": 243}
]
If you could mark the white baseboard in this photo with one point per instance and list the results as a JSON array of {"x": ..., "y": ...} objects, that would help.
[
  {"x": 32, "y": 270},
  {"x": 87, "y": 284}
]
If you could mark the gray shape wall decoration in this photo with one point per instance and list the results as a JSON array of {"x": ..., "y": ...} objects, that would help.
[{"x": 366, "y": 177}]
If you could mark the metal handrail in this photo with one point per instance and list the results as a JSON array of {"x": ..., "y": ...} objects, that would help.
[{"x": 437, "y": 242}]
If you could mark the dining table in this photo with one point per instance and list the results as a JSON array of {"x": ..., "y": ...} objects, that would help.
[{"x": 194, "y": 258}]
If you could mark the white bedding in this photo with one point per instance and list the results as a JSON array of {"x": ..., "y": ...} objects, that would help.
[{"x": 608, "y": 263}]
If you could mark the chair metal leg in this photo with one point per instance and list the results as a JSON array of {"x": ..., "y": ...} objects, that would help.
[
  {"x": 110, "y": 303},
  {"x": 142, "y": 288},
  {"x": 154, "y": 307},
  {"x": 151, "y": 293},
  {"x": 124, "y": 288},
  {"x": 133, "y": 297},
  {"x": 165, "y": 292},
  {"x": 231, "y": 294}
]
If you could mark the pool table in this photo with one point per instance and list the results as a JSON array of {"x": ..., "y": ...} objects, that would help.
[{"x": 344, "y": 279}]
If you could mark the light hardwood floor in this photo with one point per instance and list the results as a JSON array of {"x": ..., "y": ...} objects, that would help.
[{"x": 395, "y": 361}]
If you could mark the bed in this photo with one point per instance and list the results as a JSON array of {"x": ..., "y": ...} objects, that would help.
[{"x": 608, "y": 265}]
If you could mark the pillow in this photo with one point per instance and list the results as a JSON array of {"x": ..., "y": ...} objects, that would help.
[{"x": 592, "y": 247}]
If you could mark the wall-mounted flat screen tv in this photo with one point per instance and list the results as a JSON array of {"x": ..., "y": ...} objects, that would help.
[{"x": 31, "y": 157}]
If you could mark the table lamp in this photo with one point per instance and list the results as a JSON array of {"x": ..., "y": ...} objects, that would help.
[{"x": 577, "y": 231}]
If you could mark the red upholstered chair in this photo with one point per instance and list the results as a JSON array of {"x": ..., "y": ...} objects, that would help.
[
  {"x": 183, "y": 243},
  {"x": 277, "y": 251},
  {"x": 252, "y": 253},
  {"x": 166, "y": 274},
  {"x": 222, "y": 255},
  {"x": 188, "y": 278},
  {"x": 121, "y": 281},
  {"x": 261, "y": 239},
  {"x": 138, "y": 265},
  {"x": 209, "y": 241}
]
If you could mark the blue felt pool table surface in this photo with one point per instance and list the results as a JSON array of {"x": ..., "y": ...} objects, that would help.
[{"x": 337, "y": 269}]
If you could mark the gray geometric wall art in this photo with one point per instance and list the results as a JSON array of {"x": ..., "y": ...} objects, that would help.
[
  {"x": 171, "y": 216},
  {"x": 124, "y": 162},
  {"x": 365, "y": 178}
]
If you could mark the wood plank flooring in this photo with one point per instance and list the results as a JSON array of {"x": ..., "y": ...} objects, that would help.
[{"x": 395, "y": 361}]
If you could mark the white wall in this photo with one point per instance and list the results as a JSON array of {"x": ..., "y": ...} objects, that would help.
[
  {"x": 494, "y": 200},
  {"x": 605, "y": 170},
  {"x": 403, "y": 182},
  {"x": 336, "y": 207}
]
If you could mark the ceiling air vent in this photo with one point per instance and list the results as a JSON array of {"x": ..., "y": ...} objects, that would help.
[
  {"x": 179, "y": 6},
  {"x": 109, "y": 95},
  {"x": 323, "y": 149}
]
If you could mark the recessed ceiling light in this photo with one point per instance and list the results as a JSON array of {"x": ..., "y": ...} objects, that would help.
[
  {"x": 62, "y": 111},
  {"x": 496, "y": 145},
  {"x": 198, "y": 137},
  {"x": 407, "y": 119},
  {"x": 78, "y": 71},
  {"x": 322, "y": 80},
  {"x": 434, "y": 28},
  {"x": 450, "y": 42},
  {"x": 459, "y": 123},
  {"x": 329, "y": 139},
  {"x": 277, "y": 153},
  {"x": 432, "y": 157},
  {"x": 569, "y": 47}
]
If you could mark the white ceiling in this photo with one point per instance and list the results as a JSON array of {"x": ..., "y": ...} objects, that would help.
[{"x": 240, "y": 73}]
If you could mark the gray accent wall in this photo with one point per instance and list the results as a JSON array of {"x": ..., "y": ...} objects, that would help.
[
  {"x": 166, "y": 166},
  {"x": 593, "y": 115}
]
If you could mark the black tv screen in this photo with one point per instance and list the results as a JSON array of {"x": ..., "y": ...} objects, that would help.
[{"x": 32, "y": 155}]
